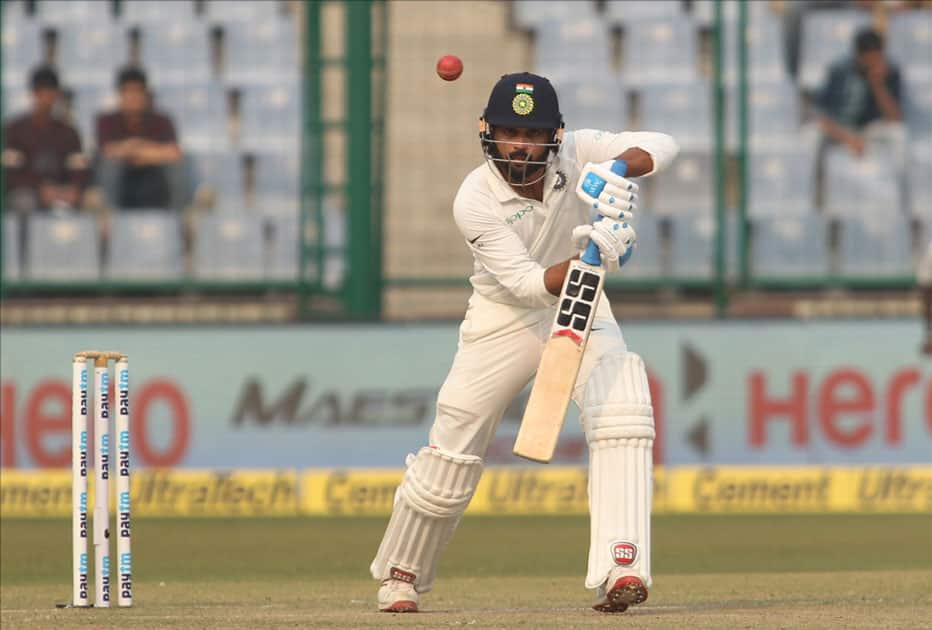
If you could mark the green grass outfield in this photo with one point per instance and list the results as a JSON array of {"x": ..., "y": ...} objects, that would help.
[{"x": 782, "y": 571}]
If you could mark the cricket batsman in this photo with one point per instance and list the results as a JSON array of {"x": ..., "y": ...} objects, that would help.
[{"x": 525, "y": 216}]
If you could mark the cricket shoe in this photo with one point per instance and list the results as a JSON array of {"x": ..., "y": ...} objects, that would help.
[
  {"x": 618, "y": 592},
  {"x": 397, "y": 596}
]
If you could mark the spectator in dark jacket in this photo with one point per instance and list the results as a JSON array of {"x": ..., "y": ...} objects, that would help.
[
  {"x": 140, "y": 160},
  {"x": 42, "y": 159},
  {"x": 861, "y": 92}
]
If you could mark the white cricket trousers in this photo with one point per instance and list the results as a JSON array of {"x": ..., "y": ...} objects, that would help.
[{"x": 499, "y": 349}]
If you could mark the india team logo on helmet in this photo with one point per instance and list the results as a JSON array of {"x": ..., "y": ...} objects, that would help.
[
  {"x": 523, "y": 104},
  {"x": 624, "y": 553}
]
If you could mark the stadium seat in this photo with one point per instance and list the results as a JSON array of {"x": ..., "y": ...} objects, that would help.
[
  {"x": 789, "y": 246},
  {"x": 146, "y": 245},
  {"x": 270, "y": 116},
  {"x": 917, "y": 109},
  {"x": 73, "y": 12},
  {"x": 765, "y": 49},
  {"x": 22, "y": 50},
  {"x": 646, "y": 260},
  {"x": 158, "y": 11},
  {"x": 246, "y": 12},
  {"x": 827, "y": 36},
  {"x": 664, "y": 51},
  {"x": 530, "y": 14},
  {"x": 576, "y": 49},
  {"x": 875, "y": 245},
  {"x": 682, "y": 110},
  {"x": 780, "y": 181},
  {"x": 686, "y": 187},
  {"x": 176, "y": 52},
  {"x": 860, "y": 185},
  {"x": 692, "y": 240},
  {"x": 632, "y": 11},
  {"x": 593, "y": 105},
  {"x": 199, "y": 112},
  {"x": 11, "y": 249},
  {"x": 277, "y": 174},
  {"x": 909, "y": 43},
  {"x": 91, "y": 54},
  {"x": 229, "y": 247},
  {"x": 224, "y": 172},
  {"x": 63, "y": 247},
  {"x": 283, "y": 247},
  {"x": 920, "y": 179},
  {"x": 260, "y": 53}
]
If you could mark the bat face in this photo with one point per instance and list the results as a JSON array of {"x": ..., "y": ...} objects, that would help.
[{"x": 559, "y": 364}]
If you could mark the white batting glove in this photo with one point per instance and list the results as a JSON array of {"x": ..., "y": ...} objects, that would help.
[
  {"x": 618, "y": 199},
  {"x": 615, "y": 239}
]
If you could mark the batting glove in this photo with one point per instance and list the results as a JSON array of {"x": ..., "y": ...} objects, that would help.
[
  {"x": 617, "y": 199},
  {"x": 615, "y": 239}
]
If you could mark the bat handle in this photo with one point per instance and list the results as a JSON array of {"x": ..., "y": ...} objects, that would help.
[{"x": 592, "y": 256}]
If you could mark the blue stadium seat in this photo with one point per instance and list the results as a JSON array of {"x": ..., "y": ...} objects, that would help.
[
  {"x": 685, "y": 187},
  {"x": 875, "y": 245},
  {"x": 765, "y": 49},
  {"x": 277, "y": 174},
  {"x": 920, "y": 179},
  {"x": 145, "y": 245},
  {"x": 909, "y": 42},
  {"x": 11, "y": 250},
  {"x": 260, "y": 52},
  {"x": 62, "y": 247},
  {"x": 530, "y": 14},
  {"x": 645, "y": 262},
  {"x": 271, "y": 116},
  {"x": 918, "y": 109},
  {"x": 199, "y": 112},
  {"x": 682, "y": 110},
  {"x": 780, "y": 181},
  {"x": 229, "y": 247},
  {"x": 90, "y": 54},
  {"x": 826, "y": 37},
  {"x": 589, "y": 104},
  {"x": 176, "y": 52},
  {"x": 692, "y": 245},
  {"x": 283, "y": 247},
  {"x": 865, "y": 185},
  {"x": 629, "y": 11},
  {"x": 158, "y": 11},
  {"x": 789, "y": 246},
  {"x": 224, "y": 172},
  {"x": 74, "y": 12},
  {"x": 575, "y": 49},
  {"x": 664, "y": 51},
  {"x": 22, "y": 50},
  {"x": 246, "y": 12}
]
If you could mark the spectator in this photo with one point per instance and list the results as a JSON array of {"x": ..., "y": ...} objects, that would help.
[
  {"x": 861, "y": 99},
  {"x": 140, "y": 162},
  {"x": 42, "y": 158}
]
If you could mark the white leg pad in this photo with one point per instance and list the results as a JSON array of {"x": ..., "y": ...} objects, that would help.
[
  {"x": 619, "y": 423},
  {"x": 436, "y": 489}
]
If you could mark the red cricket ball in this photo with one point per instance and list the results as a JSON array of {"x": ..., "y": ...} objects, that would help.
[{"x": 449, "y": 67}]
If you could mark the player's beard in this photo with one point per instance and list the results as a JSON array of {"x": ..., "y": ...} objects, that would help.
[{"x": 519, "y": 171}]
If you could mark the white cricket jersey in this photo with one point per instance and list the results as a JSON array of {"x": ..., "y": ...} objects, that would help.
[{"x": 514, "y": 239}]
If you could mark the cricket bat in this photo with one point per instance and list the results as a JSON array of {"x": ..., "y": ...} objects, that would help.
[{"x": 559, "y": 364}]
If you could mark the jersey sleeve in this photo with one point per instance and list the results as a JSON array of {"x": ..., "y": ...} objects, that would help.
[
  {"x": 500, "y": 251},
  {"x": 600, "y": 146}
]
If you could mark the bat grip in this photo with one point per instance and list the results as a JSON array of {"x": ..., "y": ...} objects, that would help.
[{"x": 592, "y": 256}]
